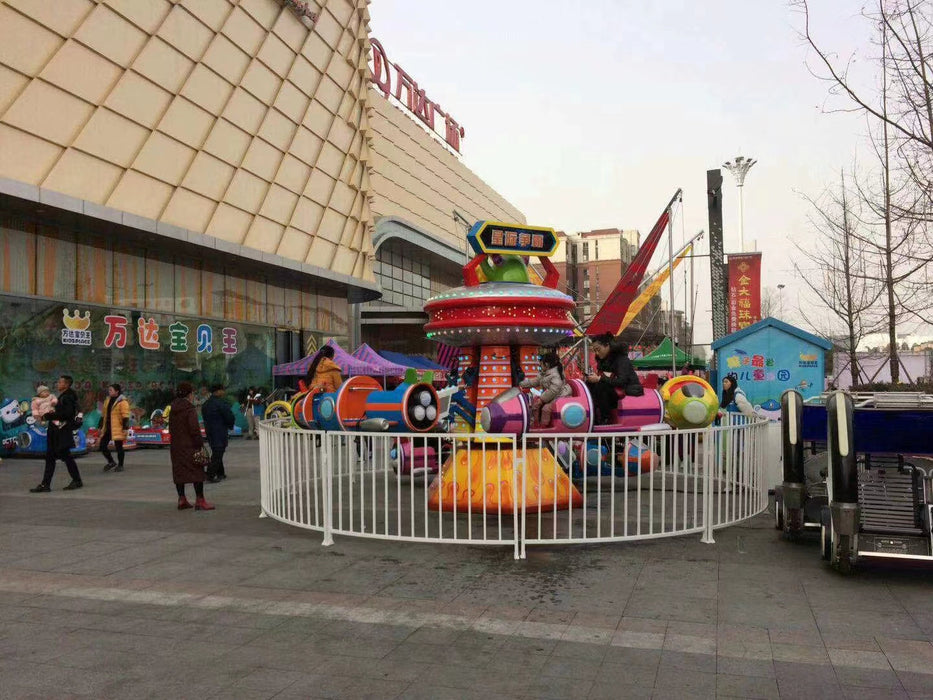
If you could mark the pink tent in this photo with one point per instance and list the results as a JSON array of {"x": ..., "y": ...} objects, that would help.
[
  {"x": 348, "y": 364},
  {"x": 385, "y": 367}
]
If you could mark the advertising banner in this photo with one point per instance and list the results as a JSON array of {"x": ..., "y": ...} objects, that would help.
[{"x": 744, "y": 290}]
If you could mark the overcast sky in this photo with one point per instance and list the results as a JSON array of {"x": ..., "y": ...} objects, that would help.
[{"x": 590, "y": 114}]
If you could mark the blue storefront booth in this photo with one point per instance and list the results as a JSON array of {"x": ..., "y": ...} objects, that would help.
[{"x": 770, "y": 357}]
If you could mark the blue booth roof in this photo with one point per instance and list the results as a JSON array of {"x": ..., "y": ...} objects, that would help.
[
  {"x": 419, "y": 362},
  {"x": 772, "y": 323}
]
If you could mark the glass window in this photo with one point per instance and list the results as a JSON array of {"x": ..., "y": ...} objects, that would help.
[
  {"x": 187, "y": 288},
  {"x": 212, "y": 293},
  {"x": 324, "y": 314},
  {"x": 256, "y": 301},
  {"x": 309, "y": 305},
  {"x": 129, "y": 277},
  {"x": 94, "y": 281},
  {"x": 234, "y": 298},
  {"x": 292, "y": 308},
  {"x": 55, "y": 263},
  {"x": 160, "y": 285},
  {"x": 276, "y": 299},
  {"x": 17, "y": 256}
]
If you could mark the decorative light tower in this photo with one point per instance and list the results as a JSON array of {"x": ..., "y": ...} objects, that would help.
[{"x": 739, "y": 169}]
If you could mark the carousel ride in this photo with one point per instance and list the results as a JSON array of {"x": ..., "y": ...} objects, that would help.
[{"x": 500, "y": 319}]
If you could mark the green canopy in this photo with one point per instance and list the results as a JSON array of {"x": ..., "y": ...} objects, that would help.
[{"x": 660, "y": 358}]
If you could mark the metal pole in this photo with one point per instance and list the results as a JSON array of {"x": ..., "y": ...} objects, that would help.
[
  {"x": 741, "y": 220},
  {"x": 670, "y": 280}
]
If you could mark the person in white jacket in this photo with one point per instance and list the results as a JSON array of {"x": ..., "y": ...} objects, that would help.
[
  {"x": 553, "y": 385},
  {"x": 734, "y": 398}
]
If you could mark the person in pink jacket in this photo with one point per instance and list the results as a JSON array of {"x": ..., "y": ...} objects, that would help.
[{"x": 43, "y": 403}]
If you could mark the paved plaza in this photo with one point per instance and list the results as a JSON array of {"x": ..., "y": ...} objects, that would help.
[{"x": 110, "y": 592}]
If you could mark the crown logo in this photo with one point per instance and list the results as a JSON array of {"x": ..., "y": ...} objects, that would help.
[{"x": 76, "y": 322}]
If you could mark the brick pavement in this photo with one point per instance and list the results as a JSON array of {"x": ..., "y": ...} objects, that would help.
[{"x": 109, "y": 592}]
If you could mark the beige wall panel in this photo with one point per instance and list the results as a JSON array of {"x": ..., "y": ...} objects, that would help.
[
  {"x": 82, "y": 72},
  {"x": 293, "y": 174},
  {"x": 46, "y": 111},
  {"x": 245, "y": 111},
  {"x": 317, "y": 52},
  {"x": 139, "y": 99},
  {"x": 276, "y": 55},
  {"x": 279, "y": 204},
  {"x": 261, "y": 82},
  {"x": 307, "y": 215},
  {"x": 212, "y": 12},
  {"x": 291, "y": 102},
  {"x": 304, "y": 76},
  {"x": 229, "y": 223},
  {"x": 189, "y": 210},
  {"x": 24, "y": 44},
  {"x": 263, "y": 11},
  {"x": 341, "y": 135},
  {"x": 264, "y": 235},
  {"x": 114, "y": 138},
  {"x": 61, "y": 16},
  {"x": 207, "y": 90},
  {"x": 244, "y": 31},
  {"x": 331, "y": 227},
  {"x": 342, "y": 10},
  {"x": 186, "y": 33},
  {"x": 348, "y": 235},
  {"x": 25, "y": 157},
  {"x": 163, "y": 65},
  {"x": 262, "y": 159},
  {"x": 344, "y": 260},
  {"x": 290, "y": 30},
  {"x": 227, "y": 142},
  {"x": 140, "y": 194},
  {"x": 330, "y": 160},
  {"x": 208, "y": 176},
  {"x": 277, "y": 129},
  {"x": 329, "y": 94},
  {"x": 164, "y": 158},
  {"x": 328, "y": 29},
  {"x": 109, "y": 34},
  {"x": 225, "y": 59},
  {"x": 294, "y": 244},
  {"x": 11, "y": 84},
  {"x": 306, "y": 146},
  {"x": 246, "y": 191},
  {"x": 321, "y": 252},
  {"x": 340, "y": 71},
  {"x": 83, "y": 176},
  {"x": 342, "y": 198},
  {"x": 186, "y": 122},
  {"x": 318, "y": 119},
  {"x": 145, "y": 15}
]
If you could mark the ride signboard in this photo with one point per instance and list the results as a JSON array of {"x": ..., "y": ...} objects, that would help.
[{"x": 496, "y": 238}]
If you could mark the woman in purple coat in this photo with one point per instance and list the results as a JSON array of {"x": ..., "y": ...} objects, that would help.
[{"x": 186, "y": 440}]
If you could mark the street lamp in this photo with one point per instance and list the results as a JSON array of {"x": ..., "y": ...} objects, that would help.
[{"x": 739, "y": 169}]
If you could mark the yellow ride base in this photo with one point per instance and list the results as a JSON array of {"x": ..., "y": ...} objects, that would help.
[{"x": 546, "y": 483}]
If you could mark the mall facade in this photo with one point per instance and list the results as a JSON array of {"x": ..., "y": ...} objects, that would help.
[{"x": 202, "y": 188}]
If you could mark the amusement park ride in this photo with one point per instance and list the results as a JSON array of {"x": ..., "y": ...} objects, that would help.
[{"x": 500, "y": 319}]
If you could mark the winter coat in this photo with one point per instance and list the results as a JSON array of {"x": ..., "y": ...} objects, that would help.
[
  {"x": 218, "y": 419},
  {"x": 186, "y": 440},
  {"x": 42, "y": 405},
  {"x": 550, "y": 382},
  {"x": 741, "y": 404},
  {"x": 617, "y": 370},
  {"x": 119, "y": 417},
  {"x": 327, "y": 375},
  {"x": 62, "y": 424}
]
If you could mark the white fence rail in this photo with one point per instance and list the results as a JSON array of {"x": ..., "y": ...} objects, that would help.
[{"x": 633, "y": 486}]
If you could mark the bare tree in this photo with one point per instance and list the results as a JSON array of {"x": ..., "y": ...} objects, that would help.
[{"x": 836, "y": 266}]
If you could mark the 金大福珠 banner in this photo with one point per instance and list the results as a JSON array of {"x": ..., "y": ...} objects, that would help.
[{"x": 744, "y": 290}]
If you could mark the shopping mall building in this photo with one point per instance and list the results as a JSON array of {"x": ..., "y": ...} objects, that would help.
[{"x": 198, "y": 189}]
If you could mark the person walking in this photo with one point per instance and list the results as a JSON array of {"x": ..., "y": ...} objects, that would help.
[
  {"x": 114, "y": 423},
  {"x": 253, "y": 411},
  {"x": 218, "y": 419},
  {"x": 63, "y": 421},
  {"x": 186, "y": 441}
]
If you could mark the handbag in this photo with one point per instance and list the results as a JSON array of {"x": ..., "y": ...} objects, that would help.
[{"x": 201, "y": 458}]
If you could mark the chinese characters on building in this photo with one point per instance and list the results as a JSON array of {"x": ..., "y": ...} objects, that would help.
[
  {"x": 744, "y": 290},
  {"x": 149, "y": 334}
]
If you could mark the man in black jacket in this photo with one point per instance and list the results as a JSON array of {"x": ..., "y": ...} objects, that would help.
[
  {"x": 613, "y": 371},
  {"x": 218, "y": 419},
  {"x": 60, "y": 438}
]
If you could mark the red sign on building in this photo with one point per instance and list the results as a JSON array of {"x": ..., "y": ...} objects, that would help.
[{"x": 744, "y": 290}]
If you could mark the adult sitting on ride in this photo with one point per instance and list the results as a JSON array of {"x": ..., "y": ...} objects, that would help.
[
  {"x": 614, "y": 377},
  {"x": 324, "y": 374}
]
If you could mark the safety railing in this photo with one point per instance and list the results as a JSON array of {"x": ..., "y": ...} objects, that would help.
[{"x": 535, "y": 490}]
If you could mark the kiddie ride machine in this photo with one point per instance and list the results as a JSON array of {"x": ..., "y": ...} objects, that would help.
[
  {"x": 499, "y": 320},
  {"x": 21, "y": 435},
  {"x": 877, "y": 499}
]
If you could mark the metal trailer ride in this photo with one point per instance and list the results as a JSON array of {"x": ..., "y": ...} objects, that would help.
[{"x": 880, "y": 476}]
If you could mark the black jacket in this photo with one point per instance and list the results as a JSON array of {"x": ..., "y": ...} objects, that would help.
[
  {"x": 61, "y": 439},
  {"x": 218, "y": 419},
  {"x": 622, "y": 374}
]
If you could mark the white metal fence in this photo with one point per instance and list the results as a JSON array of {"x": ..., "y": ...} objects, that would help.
[{"x": 631, "y": 486}]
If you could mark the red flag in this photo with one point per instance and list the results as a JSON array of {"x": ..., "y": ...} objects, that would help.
[
  {"x": 609, "y": 317},
  {"x": 744, "y": 290}
]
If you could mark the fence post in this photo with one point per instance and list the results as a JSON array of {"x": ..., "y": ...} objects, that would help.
[
  {"x": 263, "y": 467},
  {"x": 328, "y": 470},
  {"x": 708, "y": 449},
  {"x": 518, "y": 486}
]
